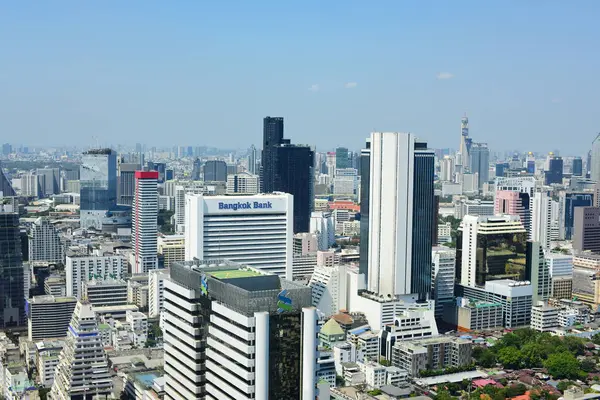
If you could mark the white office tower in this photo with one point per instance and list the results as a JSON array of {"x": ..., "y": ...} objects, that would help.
[
  {"x": 401, "y": 170},
  {"x": 346, "y": 181},
  {"x": 44, "y": 242},
  {"x": 144, "y": 223},
  {"x": 243, "y": 183},
  {"x": 329, "y": 285},
  {"x": 442, "y": 279},
  {"x": 321, "y": 223},
  {"x": 252, "y": 230},
  {"x": 156, "y": 288},
  {"x": 541, "y": 219},
  {"x": 82, "y": 370},
  {"x": 447, "y": 169},
  {"x": 81, "y": 268},
  {"x": 234, "y": 334}
]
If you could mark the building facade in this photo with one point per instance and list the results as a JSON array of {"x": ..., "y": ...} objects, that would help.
[
  {"x": 144, "y": 227},
  {"x": 44, "y": 242},
  {"x": 12, "y": 299},
  {"x": 586, "y": 229},
  {"x": 80, "y": 268},
  {"x": 48, "y": 317},
  {"x": 98, "y": 183}
]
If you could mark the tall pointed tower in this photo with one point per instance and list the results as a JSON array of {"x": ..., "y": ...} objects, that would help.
[{"x": 82, "y": 370}]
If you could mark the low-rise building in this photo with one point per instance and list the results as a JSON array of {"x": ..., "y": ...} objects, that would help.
[
  {"x": 473, "y": 315},
  {"x": 544, "y": 317},
  {"x": 172, "y": 248},
  {"x": 105, "y": 292},
  {"x": 48, "y": 316},
  {"x": 46, "y": 360}
]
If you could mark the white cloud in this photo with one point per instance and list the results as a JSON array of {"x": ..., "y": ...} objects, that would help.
[
  {"x": 351, "y": 85},
  {"x": 444, "y": 75},
  {"x": 314, "y": 88}
]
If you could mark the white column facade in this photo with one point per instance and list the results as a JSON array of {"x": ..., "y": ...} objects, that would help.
[
  {"x": 469, "y": 250},
  {"x": 262, "y": 356},
  {"x": 309, "y": 353},
  {"x": 144, "y": 225}
]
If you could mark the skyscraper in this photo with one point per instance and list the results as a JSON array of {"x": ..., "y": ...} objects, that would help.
[
  {"x": 554, "y": 173},
  {"x": 365, "y": 176},
  {"x": 127, "y": 182},
  {"x": 400, "y": 215},
  {"x": 98, "y": 181},
  {"x": 272, "y": 138},
  {"x": 196, "y": 169},
  {"x": 465, "y": 143},
  {"x": 341, "y": 158},
  {"x": 480, "y": 163},
  {"x": 234, "y": 333},
  {"x": 252, "y": 160},
  {"x": 595, "y": 160},
  {"x": 82, "y": 370},
  {"x": 44, "y": 242},
  {"x": 144, "y": 228},
  {"x": 577, "y": 168},
  {"x": 12, "y": 298},
  {"x": 6, "y": 188},
  {"x": 215, "y": 171},
  {"x": 51, "y": 182}
]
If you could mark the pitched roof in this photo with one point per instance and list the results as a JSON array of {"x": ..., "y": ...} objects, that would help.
[{"x": 331, "y": 327}]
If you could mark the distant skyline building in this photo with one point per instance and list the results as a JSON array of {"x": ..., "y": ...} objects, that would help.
[
  {"x": 6, "y": 189},
  {"x": 586, "y": 229},
  {"x": 554, "y": 173},
  {"x": 196, "y": 169},
  {"x": 127, "y": 182},
  {"x": 252, "y": 160},
  {"x": 12, "y": 291},
  {"x": 465, "y": 144},
  {"x": 44, "y": 242},
  {"x": 215, "y": 171},
  {"x": 595, "y": 160},
  {"x": 243, "y": 183},
  {"x": 144, "y": 226},
  {"x": 341, "y": 158},
  {"x": 400, "y": 193},
  {"x": 480, "y": 163},
  {"x": 272, "y": 138},
  {"x": 51, "y": 182},
  {"x": 577, "y": 166},
  {"x": 98, "y": 180}
]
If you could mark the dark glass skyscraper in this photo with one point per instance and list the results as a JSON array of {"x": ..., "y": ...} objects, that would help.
[
  {"x": 554, "y": 174},
  {"x": 127, "y": 182},
  {"x": 480, "y": 162},
  {"x": 272, "y": 138},
  {"x": 12, "y": 297},
  {"x": 294, "y": 175},
  {"x": 365, "y": 176},
  {"x": 98, "y": 181},
  {"x": 215, "y": 171},
  {"x": 341, "y": 158},
  {"x": 577, "y": 166}
]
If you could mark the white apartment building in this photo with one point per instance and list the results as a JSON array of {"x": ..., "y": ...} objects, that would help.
[
  {"x": 329, "y": 285},
  {"x": 46, "y": 360},
  {"x": 444, "y": 233},
  {"x": 105, "y": 292},
  {"x": 172, "y": 248},
  {"x": 81, "y": 268},
  {"x": 144, "y": 224},
  {"x": 48, "y": 317},
  {"x": 156, "y": 286},
  {"x": 541, "y": 219},
  {"x": 138, "y": 326},
  {"x": 544, "y": 318},
  {"x": 44, "y": 242},
  {"x": 251, "y": 230},
  {"x": 560, "y": 264},
  {"x": 243, "y": 183}
]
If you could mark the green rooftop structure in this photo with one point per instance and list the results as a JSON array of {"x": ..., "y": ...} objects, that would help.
[{"x": 331, "y": 333}]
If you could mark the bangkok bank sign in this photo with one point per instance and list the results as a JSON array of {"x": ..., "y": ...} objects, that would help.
[{"x": 246, "y": 205}]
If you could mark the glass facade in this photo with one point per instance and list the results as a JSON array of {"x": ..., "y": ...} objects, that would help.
[
  {"x": 215, "y": 171},
  {"x": 12, "y": 298},
  {"x": 285, "y": 354},
  {"x": 500, "y": 256},
  {"x": 571, "y": 201},
  {"x": 272, "y": 137},
  {"x": 365, "y": 171},
  {"x": 98, "y": 179}
]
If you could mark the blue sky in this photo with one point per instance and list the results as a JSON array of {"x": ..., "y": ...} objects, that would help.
[{"x": 205, "y": 73}]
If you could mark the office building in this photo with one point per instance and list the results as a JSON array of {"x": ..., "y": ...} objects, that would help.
[
  {"x": 514, "y": 203},
  {"x": 80, "y": 268},
  {"x": 196, "y": 169},
  {"x": 6, "y": 188},
  {"x": 542, "y": 222},
  {"x": 577, "y": 166},
  {"x": 586, "y": 229},
  {"x": 568, "y": 201},
  {"x": 127, "y": 183},
  {"x": 272, "y": 138},
  {"x": 490, "y": 248},
  {"x": 544, "y": 318},
  {"x": 322, "y": 224},
  {"x": 159, "y": 167},
  {"x": 251, "y": 230},
  {"x": 594, "y": 169},
  {"x": 346, "y": 182},
  {"x": 215, "y": 171},
  {"x": 105, "y": 292},
  {"x": 477, "y": 207},
  {"x": 442, "y": 280},
  {"x": 252, "y": 160},
  {"x": 44, "y": 242},
  {"x": 365, "y": 186},
  {"x": 473, "y": 315},
  {"x": 156, "y": 285},
  {"x": 171, "y": 248},
  {"x": 537, "y": 272},
  {"x": 329, "y": 285},
  {"x": 480, "y": 163},
  {"x": 400, "y": 191},
  {"x": 223, "y": 336},
  {"x": 51, "y": 181},
  {"x": 12, "y": 298},
  {"x": 179, "y": 193},
  {"x": 446, "y": 169},
  {"x": 554, "y": 173},
  {"x": 342, "y": 161},
  {"x": 32, "y": 185},
  {"x": 144, "y": 227},
  {"x": 98, "y": 181},
  {"x": 82, "y": 371},
  {"x": 463, "y": 159},
  {"x": 243, "y": 183},
  {"x": 48, "y": 316}
]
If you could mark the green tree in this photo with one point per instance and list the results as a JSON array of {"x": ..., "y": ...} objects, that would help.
[
  {"x": 510, "y": 357},
  {"x": 564, "y": 385},
  {"x": 574, "y": 345},
  {"x": 443, "y": 394},
  {"x": 487, "y": 359},
  {"x": 588, "y": 365},
  {"x": 510, "y": 339},
  {"x": 596, "y": 338},
  {"x": 563, "y": 366},
  {"x": 533, "y": 354}
]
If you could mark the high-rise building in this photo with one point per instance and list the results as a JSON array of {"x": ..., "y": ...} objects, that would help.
[
  {"x": 490, "y": 247},
  {"x": 159, "y": 167},
  {"x": 465, "y": 144},
  {"x": 48, "y": 316},
  {"x": 98, "y": 181},
  {"x": 82, "y": 371},
  {"x": 537, "y": 272},
  {"x": 514, "y": 203},
  {"x": 156, "y": 288},
  {"x": 586, "y": 229},
  {"x": 80, "y": 268},
  {"x": 288, "y": 168},
  {"x": 12, "y": 291},
  {"x": 51, "y": 180},
  {"x": 171, "y": 248},
  {"x": 196, "y": 169},
  {"x": 568, "y": 202},
  {"x": 365, "y": 186},
  {"x": 223, "y": 334},
  {"x": 252, "y": 230},
  {"x": 577, "y": 167},
  {"x": 6, "y": 189},
  {"x": 321, "y": 223},
  {"x": 243, "y": 183},
  {"x": 442, "y": 279},
  {"x": 447, "y": 169},
  {"x": 554, "y": 173},
  {"x": 252, "y": 160},
  {"x": 400, "y": 190},
  {"x": 32, "y": 185},
  {"x": 144, "y": 226},
  {"x": 105, "y": 292},
  {"x": 127, "y": 182},
  {"x": 595, "y": 160},
  {"x": 501, "y": 168},
  {"x": 44, "y": 242},
  {"x": 6, "y": 149},
  {"x": 480, "y": 163},
  {"x": 215, "y": 171},
  {"x": 541, "y": 219},
  {"x": 341, "y": 158}
]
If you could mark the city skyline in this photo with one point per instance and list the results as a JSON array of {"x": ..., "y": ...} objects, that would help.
[{"x": 97, "y": 85}]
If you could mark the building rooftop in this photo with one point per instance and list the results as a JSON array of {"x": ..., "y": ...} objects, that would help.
[
  {"x": 234, "y": 273},
  {"x": 331, "y": 328},
  {"x": 47, "y": 299}
]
